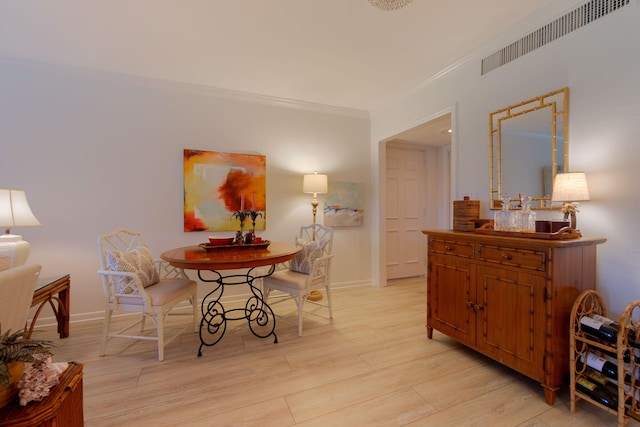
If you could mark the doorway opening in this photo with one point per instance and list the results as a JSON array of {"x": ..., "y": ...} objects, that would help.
[{"x": 417, "y": 194}]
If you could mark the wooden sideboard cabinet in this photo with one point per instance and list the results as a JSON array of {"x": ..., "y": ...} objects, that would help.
[{"x": 509, "y": 298}]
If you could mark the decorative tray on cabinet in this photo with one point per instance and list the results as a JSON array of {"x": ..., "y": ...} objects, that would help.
[
  {"x": 562, "y": 234},
  {"x": 211, "y": 247}
]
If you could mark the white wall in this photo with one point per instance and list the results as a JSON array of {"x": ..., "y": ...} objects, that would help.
[
  {"x": 96, "y": 152},
  {"x": 600, "y": 64}
]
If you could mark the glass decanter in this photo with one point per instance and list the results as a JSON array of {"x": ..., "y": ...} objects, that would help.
[
  {"x": 526, "y": 217},
  {"x": 502, "y": 218}
]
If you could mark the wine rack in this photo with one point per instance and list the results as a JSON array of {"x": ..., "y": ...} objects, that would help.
[{"x": 626, "y": 388}]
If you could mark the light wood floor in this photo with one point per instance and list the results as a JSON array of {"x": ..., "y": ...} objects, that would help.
[{"x": 372, "y": 365}]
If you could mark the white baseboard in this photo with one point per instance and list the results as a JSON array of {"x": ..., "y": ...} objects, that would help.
[{"x": 99, "y": 315}]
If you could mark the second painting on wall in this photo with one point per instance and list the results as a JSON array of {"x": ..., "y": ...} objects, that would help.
[
  {"x": 344, "y": 205},
  {"x": 217, "y": 185}
]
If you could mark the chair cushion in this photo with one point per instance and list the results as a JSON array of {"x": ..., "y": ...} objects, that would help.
[
  {"x": 284, "y": 280},
  {"x": 311, "y": 250},
  {"x": 162, "y": 292},
  {"x": 139, "y": 261}
]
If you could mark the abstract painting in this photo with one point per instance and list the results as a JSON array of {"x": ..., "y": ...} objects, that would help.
[
  {"x": 217, "y": 185},
  {"x": 344, "y": 205}
]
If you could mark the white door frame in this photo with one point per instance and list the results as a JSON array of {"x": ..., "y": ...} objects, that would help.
[{"x": 379, "y": 252}]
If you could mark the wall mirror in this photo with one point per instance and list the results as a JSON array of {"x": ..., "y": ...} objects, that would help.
[{"x": 529, "y": 145}]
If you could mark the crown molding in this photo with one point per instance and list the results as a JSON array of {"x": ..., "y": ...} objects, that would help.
[{"x": 164, "y": 84}]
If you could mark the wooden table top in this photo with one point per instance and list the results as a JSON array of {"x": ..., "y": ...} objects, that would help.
[{"x": 198, "y": 258}]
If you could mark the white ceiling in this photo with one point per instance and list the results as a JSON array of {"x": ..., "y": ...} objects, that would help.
[
  {"x": 434, "y": 133},
  {"x": 341, "y": 53}
]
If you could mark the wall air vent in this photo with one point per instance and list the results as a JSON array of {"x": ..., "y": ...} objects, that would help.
[{"x": 577, "y": 18}]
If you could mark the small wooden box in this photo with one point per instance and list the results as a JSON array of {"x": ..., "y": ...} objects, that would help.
[
  {"x": 63, "y": 406},
  {"x": 465, "y": 212}
]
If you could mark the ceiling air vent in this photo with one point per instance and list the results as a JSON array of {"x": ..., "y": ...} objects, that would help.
[{"x": 577, "y": 18}]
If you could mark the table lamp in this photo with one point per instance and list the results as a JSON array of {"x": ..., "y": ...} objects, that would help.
[
  {"x": 570, "y": 188},
  {"x": 315, "y": 184},
  {"x": 15, "y": 212}
]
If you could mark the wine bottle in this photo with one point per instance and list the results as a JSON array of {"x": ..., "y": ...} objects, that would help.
[
  {"x": 631, "y": 338},
  {"x": 630, "y": 369},
  {"x": 626, "y": 356},
  {"x": 596, "y": 393},
  {"x": 605, "y": 320},
  {"x": 609, "y": 385},
  {"x": 599, "y": 329},
  {"x": 602, "y": 381},
  {"x": 606, "y": 367},
  {"x": 602, "y": 365}
]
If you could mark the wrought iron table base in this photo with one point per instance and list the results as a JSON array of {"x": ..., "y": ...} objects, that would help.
[{"x": 259, "y": 315}]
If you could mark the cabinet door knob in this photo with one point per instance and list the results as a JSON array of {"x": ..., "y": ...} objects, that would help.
[
  {"x": 469, "y": 304},
  {"x": 478, "y": 307},
  {"x": 448, "y": 248},
  {"x": 507, "y": 257}
]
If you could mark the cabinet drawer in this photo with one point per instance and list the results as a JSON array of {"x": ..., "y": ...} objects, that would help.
[
  {"x": 534, "y": 260},
  {"x": 448, "y": 247}
]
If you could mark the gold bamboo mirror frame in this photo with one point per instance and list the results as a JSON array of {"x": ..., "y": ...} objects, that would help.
[{"x": 528, "y": 146}]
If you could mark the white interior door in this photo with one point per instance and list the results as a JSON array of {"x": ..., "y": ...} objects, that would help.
[{"x": 405, "y": 186}]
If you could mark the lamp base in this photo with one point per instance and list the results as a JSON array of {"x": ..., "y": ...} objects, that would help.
[
  {"x": 14, "y": 250},
  {"x": 572, "y": 217}
]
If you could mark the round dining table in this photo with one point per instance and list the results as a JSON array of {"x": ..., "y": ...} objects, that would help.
[{"x": 221, "y": 265}]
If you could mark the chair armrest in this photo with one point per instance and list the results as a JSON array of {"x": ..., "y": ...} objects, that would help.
[
  {"x": 283, "y": 266},
  {"x": 122, "y": 283},
  {"x": 320, "y": 266},
  {"x": 167, "y": 271},
  {"x": 119, "y": 274}
]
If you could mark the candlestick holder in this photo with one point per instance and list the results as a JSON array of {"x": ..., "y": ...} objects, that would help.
[
  {"x": 254, "y": 215},
  {"x": 241, "y": 216}
]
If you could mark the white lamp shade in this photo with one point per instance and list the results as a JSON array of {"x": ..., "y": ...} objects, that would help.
[
  {"x": 15, "y": 210},
  {"x": 315, "y": 183},
  {"x": 570, "y": 187}
]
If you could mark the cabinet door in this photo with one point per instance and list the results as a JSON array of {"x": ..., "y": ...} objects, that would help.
[
  {"x": 452, "y": 290},
  {"x": 511, "y": 327}
]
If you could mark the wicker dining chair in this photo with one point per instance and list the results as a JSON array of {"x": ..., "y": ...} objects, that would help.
[
  {"x": 133, "y": 281},
  {"x": 307, "y": 272}
]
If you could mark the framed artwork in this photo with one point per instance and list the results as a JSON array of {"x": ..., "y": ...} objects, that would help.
[
  {"x": 217, "y": 185},
  {"x": 344, "y": 205}
]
